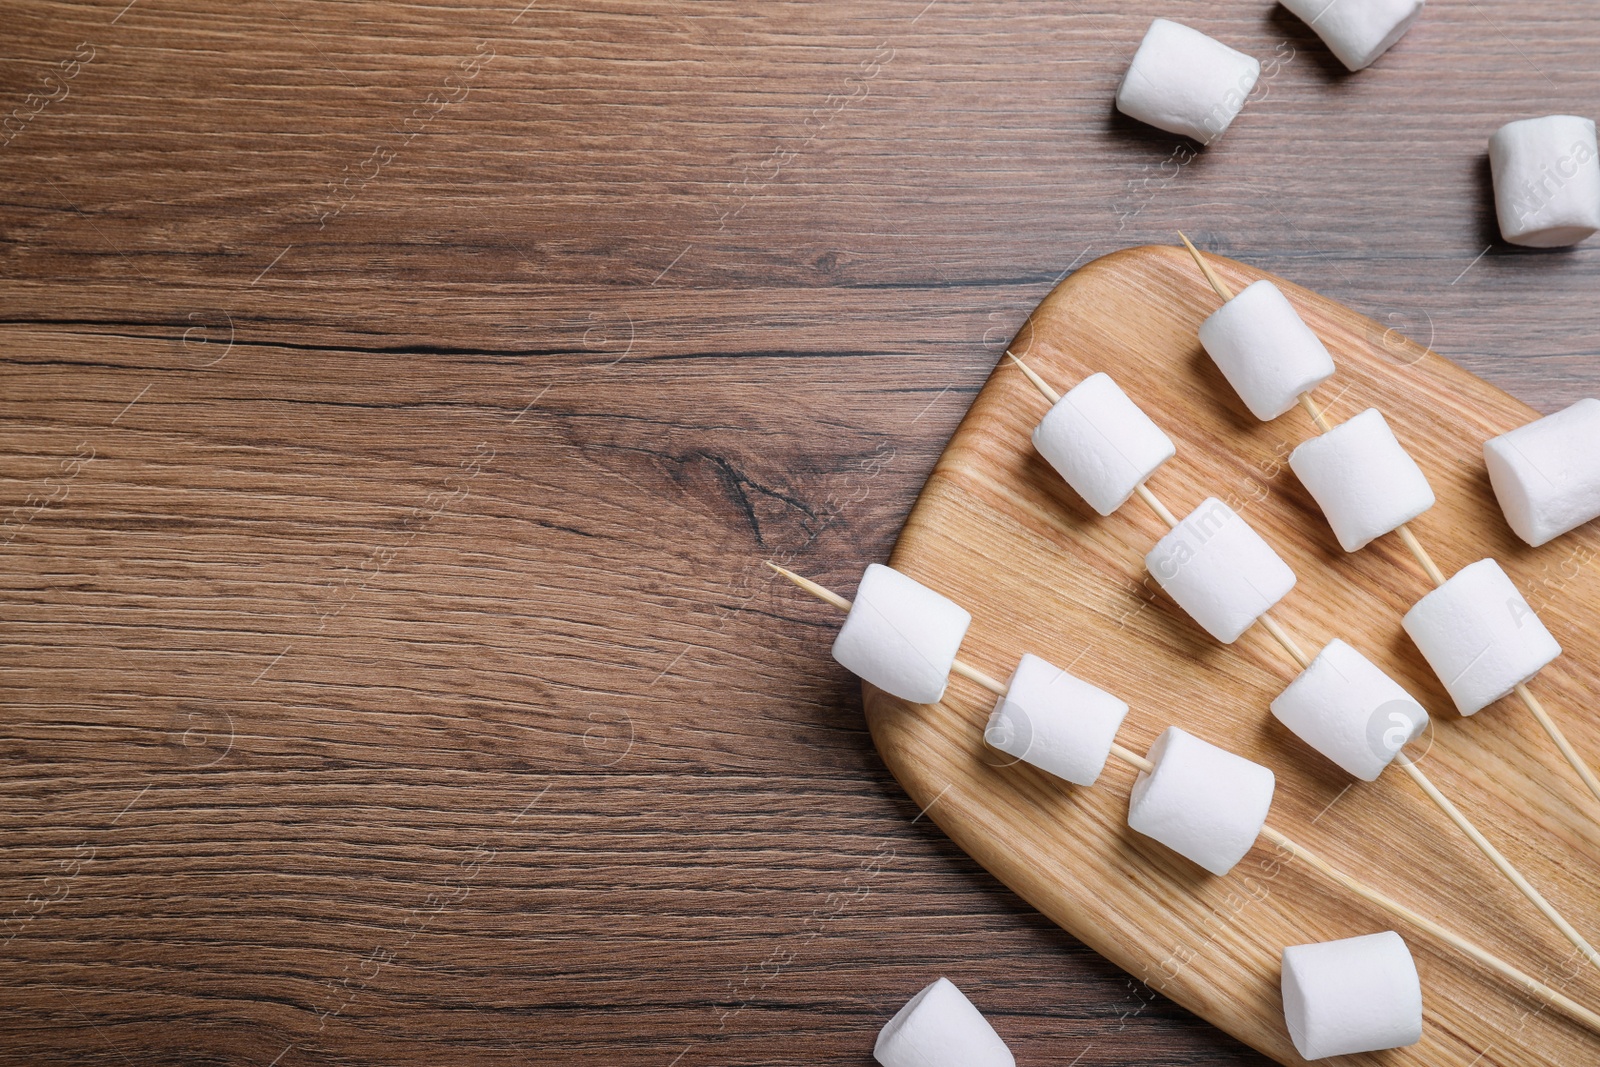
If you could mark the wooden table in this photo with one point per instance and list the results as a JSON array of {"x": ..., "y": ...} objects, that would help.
[{"x": 399, "y": 400}]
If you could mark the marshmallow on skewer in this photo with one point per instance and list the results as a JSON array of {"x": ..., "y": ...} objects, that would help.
[
  {"x": 1361, "y": 994},
  {"x": 1184, "y": 82},
  {"x": 1219, "y": 570},
  {"x": 901, "y": 636},
  {"x": 1055, "y": 721},
  {"x": 1348, "y": 709},
  {"x": 1546, "y": 180},
  {"x": 1480, "y": 636},
  {"x": 1546, "y": 474},
  {"x": 1357, "y": 31},
  {"x": 939, "y": 1027},
  {"x": 1364, "y": 481},
  {"x": 1203, "y": 802},
  {"x": 1101, "y": 443},
  {"x": 1265, "y": 350}
]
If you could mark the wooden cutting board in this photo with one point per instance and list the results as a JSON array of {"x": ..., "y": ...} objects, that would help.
[{"x": 997, "y": 530}]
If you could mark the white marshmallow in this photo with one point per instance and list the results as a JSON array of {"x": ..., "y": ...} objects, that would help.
[
  {"x": 1346, "y": 708},
  {"x": 939, "y": 1027},
  {"x": 1547, "y": 474},
  {"x": 1357, "y": 31},
  {"x": 1546, "y": 180},
  {"x": 1480, "y": 636},
  {"x": 1184, "y": 82},
  {"x": 1201, "y": 801},
  {"x": 1265, "y": 350},
  {"x": 1219, "y": 570},
  {"x": 1056, "y": 722},
  {"x": 1101, "y": 443},
  {"x": 1361, "y": 994},
  {"x": 901, "y": 636},
  {"x": 1364, "y": 481}
]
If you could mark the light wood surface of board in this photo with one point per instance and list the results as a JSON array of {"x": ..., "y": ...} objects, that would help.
[{"x": 996, "y": 529}]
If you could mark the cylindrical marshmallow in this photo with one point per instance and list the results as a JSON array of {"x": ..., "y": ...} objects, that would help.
[
  {"x": 1265, "y": 350},
  {"x": 1480, "y": 636},
  {"x": 1219, "y": 570},
  {"x": 1101, "y": 443},
  {"x": 1184, "y": 82},
  {"x": 1357, "y": 31},
  {"x": 1361, "y": 994},
  {"x": 1348, "y": 709},
  {"x": 1547, "y": 474},
  {"x": 1201, "y": 801},
  {"x": 939, "y": 1027},
  {"x": 1056, "y": 722},
  {"x": 1546, "y": 180},
  {"x": 1364, "y": 481},
  {"x": 901, "y": 636}
]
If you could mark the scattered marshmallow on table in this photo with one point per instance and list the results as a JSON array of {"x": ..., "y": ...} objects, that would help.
[
  {"x": 1480, "y": 636},
  {"x": 1357, "y": 31},
  {"x": 1265, "y": 350},
  {"x": 901, "y": 636},
  {"x": 1055, "y": 721},
  {"x": 1203, "y": 802},
  {"x": 1184, "y": 82},
  {"x": 1219, "y": 570},
  {"x": 1546, "y": 180},
  {"x": 1361, "y": 994},
  {"x": 1348, "y": 709},
  {"x": 1364, "y": 481},
  {"x": 939, "y": 1027},
  {"x": 1547, "y": 474},
  {"x": 1101, "y": 443}
]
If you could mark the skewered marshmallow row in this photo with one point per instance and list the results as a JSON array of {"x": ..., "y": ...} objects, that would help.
[
  {"x": 1203, "y": 802},
  {"x": 1182, "y": 81},
  {"x": 1228, "y": 578},
  {"x": 1475, "y": 629},
  {"x": 1358, "y": 994}
]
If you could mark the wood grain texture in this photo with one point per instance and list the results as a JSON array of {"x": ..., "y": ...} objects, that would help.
[
  {"x": 1041, "y": 572},
  {"x": 288, "y": 656}
]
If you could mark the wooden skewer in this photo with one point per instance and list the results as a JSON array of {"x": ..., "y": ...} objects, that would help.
[
  {"x": 1533, "y": 986},
  {"x": 1431, "y": 569},
  {"x": 1296, "y": 653}
]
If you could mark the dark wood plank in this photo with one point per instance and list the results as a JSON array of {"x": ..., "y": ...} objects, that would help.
[{"x": 398, "y": 400}]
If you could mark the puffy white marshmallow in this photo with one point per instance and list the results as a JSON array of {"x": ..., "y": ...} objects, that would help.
[
  {"x": 1546, "y": 180},
  {"x": 939, "y": 1027},
  {"x": 901, "y": 636},
  {"x": 1265, "y": 350},
  {"x": 1547, "y": 474},
  {"x": 1480, "y": 636},
  {"x": 1357, "y": 31},
  {"x": 1219, "y": 570},
  {"x": 1348, "y": 709},
  {"x": 1361, "y": 477},
  {"x": 1201, "y": 801},
  {"x": 1101, "y": 443},
  {"x": 1361, "y": 994},
  {"x": 1184, "y": 82},
  {"x": 1056, "y": 722}
]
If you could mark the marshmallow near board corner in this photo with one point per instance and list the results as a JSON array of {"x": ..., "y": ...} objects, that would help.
[
  {"x": 1366, "y": 483},
  {"x": 1219, "y": 570},
  {"x": 1265, "y": 350},
  {"x": 1359, "y": 994},
  {"x": 1055, "y": 721},
  {"x": 1186, "y": 83},
  {"x": 1357, "y": 31},
  {"x": 901, "y": 636},
  {"x": 940, "y": 1027},
  {"x": 1546, "y": 474},
  {"x": 1480, "y": 636},
  {"x": 1546, "y": 175},
  {"x": 1348, "y": 709},
  {"x": 1101, "y": 443},
  {"x": 1203, "y": 802}
]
